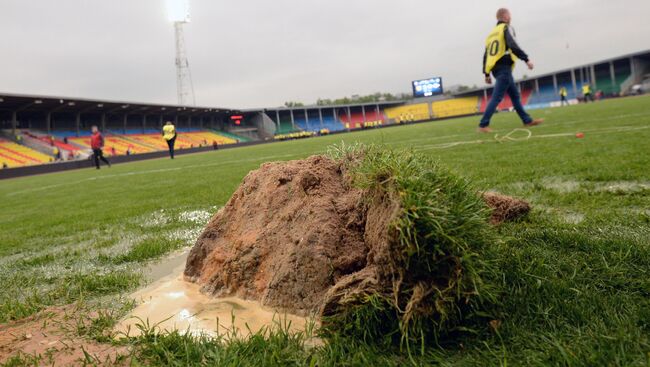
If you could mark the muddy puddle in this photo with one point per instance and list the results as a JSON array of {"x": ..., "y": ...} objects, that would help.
[{"x": 171, "y": 303}]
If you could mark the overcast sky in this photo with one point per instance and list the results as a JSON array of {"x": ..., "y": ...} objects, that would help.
[{"x": 261, "y": 53}]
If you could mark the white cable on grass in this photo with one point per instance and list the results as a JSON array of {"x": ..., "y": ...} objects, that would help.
[{"x": 511, "y": 136}]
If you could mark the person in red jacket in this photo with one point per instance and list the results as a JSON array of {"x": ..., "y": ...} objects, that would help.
[{"x": 97, "y": 143}]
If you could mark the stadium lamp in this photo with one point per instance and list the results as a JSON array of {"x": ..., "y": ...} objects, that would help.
[
  {"x": 38, "y": 101},
  {"x": 178, "y": 11},
  {"x": 100, "y": 105},
  {"x": 71, "y": 103},
  {"x": 2, "y": 99}
]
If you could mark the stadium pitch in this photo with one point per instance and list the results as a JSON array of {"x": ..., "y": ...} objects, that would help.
[{"x": 576, "y": 270}]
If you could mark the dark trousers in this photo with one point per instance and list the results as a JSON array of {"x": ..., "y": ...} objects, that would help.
[
  {"x": 563, "y": 101},
  {"x": 504, "y": 83},
  {"x": 589, "y": 97},
  {"x": 97, "y": 155},
  {"x": 170, "y": 144}
]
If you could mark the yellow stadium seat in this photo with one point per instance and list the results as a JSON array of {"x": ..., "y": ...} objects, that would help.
[
  {"x": 409, "y": 113},
  {"x": 16, "y": 155},
  {"x": 455, "y": 107},
  {"x": 119, "y": 143}
]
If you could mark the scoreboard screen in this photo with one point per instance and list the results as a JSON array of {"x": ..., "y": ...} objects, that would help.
[{"x": 427, "y": 87}]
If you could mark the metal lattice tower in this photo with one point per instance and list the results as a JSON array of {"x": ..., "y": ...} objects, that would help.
[{"x": 184, "y": 85}]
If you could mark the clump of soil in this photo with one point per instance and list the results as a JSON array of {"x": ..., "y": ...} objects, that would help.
[
  {"x": 287, "y": 235},
  {"x": 51, "y": 338},
  {"x": 505, "y": 208},
  {"x": 299, "y": 236}
]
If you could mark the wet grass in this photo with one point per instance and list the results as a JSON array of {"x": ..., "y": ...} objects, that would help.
[{"x": 575, "y": 273}]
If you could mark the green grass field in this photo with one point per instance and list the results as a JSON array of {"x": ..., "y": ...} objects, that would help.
[{"x": 577, "y": 270}]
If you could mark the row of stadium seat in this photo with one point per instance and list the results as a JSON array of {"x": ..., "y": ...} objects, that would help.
[
  {"x": 114, "y": 145},
  {"x": 356, "y": 120},
  {"x": 16, "y": 155},
  {"x": 547, "y": 94},
  {"x": 605, "y": 85},
  {"x": 407, "y": 113},
  {"x": 455, "y": 107},
  {"x": 143, "y": 143},
  {"x": 313, "y": 124}
]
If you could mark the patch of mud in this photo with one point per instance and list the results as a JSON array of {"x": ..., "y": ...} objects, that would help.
[
  {"x": 171, "y": 303},
  {"x": 50, "y": 337},
  {"x": 167, "y": 266}
]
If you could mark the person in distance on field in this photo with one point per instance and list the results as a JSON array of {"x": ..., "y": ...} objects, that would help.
[
  {"x": 563, "y": 94},
  {"x": 97, "y": 143},
  {"x": 169, "y": 134},
  {"x": 586, "y": 92},
  {"x": 501, "y": 51}
]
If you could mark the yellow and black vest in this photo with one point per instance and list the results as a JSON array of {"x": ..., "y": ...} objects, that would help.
[
  {"x": 169, "y": 132},
  {"x": 496, "y": 48}
]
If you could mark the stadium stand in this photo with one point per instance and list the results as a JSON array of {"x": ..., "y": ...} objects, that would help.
[
  {"x": 16, "y": 155},
  {"x": 455, "y": 107},
  {"x": 143, "y": 143},
  {"x": 114, "y": 142},
  {"x": 48, "y": 140},
  {"x": 604, "y": 84},
  {"x": 356, "y": 120},
  {"x": 332, "y": 124},
  {"x": 547, "y": 94},
  {"x": 307, "y": 124},
  {"x": 286, "y": 127},
  {"x": 408, "y": 113}
]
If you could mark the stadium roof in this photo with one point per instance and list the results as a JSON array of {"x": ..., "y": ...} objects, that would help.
[
  {"x": 315, "y": 107},
  {"x": 12, "y": 102},
  {"x": 36, "y": 103}
]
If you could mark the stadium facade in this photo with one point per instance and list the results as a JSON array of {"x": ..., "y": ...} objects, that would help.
[{"x": 36, "y": 129}]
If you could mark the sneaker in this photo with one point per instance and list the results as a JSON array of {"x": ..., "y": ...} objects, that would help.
[
  {"x": 484, "y": 130},
  {"x": 535, "y": 122}
]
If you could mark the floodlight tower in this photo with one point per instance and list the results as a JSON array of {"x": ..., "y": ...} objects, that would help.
[{"x": 179, "y": 14}]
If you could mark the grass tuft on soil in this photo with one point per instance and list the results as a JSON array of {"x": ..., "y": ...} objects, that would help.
[{"x": 426, "y": 278}]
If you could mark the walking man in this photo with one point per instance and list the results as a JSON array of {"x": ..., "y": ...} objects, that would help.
[
  {"x": 563, "y": 94},
  {"x": 501, "y": 52},
  {"x": 169, "y": 134},
  {"x": 97, "y": 143}
]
